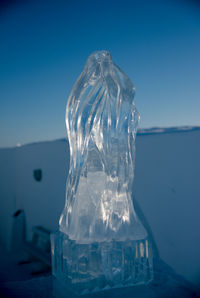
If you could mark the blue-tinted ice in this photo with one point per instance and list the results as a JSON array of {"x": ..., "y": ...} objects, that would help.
[{"x": 101, "y": 241}]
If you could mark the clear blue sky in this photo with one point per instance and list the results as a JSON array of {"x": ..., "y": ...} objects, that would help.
[{"x": 44, "y": 46}]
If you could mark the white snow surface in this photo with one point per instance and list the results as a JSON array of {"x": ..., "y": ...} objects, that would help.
[
  {"x": 16, "y": 281},
  {"x": 166, "y": 188},
  {"x": 168, "y": 285}
]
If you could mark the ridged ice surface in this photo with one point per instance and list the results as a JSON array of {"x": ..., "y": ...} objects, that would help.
[
  {"x": 101, "y": 121},
  {"x": 101, "y": 243},
  {"x": 100, "y": 266}
]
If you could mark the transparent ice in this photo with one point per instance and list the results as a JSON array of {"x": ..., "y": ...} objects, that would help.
[{"x": 101, "y": 241}]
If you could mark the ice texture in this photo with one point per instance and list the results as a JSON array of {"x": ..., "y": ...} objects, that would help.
[
  {"x": 97, "y": 266},
  {"x": 101, "y": 121},
  {"x": 101, "y": 243}
]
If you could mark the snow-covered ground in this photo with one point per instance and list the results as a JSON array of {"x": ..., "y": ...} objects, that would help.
[
  {"x": 18, "y": 282},
  {"x": 166, "y": 188}
]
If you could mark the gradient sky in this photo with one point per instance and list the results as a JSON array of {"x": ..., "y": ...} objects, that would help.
[{"x": 44, "y": 46}]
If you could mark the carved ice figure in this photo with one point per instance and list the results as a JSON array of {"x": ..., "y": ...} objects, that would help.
[
  {"x": 101, "y": 243},
  {"x": 101, "y": 121}
]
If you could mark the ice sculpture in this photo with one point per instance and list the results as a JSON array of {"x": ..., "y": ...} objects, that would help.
[{"x": 101, "y": 242}]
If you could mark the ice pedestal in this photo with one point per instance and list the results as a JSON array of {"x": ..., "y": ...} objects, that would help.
[
  {"x": 101, "y": 242},
  {"x": 100, "y": 266}
]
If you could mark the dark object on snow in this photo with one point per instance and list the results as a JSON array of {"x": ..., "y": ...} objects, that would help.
[
  {"x": 37, "y": 174},
  {"x": 39, "y": 247},
  {"x": 18, "y": 230}
]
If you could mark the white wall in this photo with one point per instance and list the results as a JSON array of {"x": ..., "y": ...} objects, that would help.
[
  {"x": 42, "y": 201},
  {"x": 7, "y": 193},
  {"x": 166, "y": 187}
]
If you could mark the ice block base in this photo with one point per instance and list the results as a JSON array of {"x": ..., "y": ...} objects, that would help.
[{"x": 92, "y": 267}]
